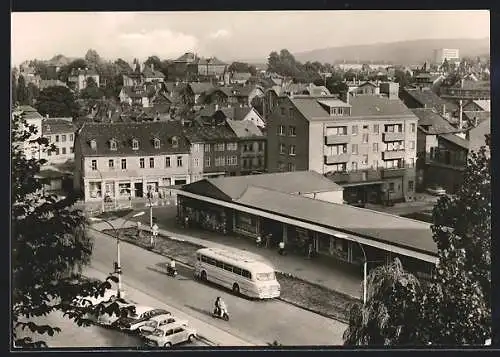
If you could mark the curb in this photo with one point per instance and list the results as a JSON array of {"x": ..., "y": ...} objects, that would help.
[{"x": 186, "y": 264}]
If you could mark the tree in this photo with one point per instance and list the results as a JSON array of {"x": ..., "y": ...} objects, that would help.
[
  {"x": 122, "y": 66},
  {"x": 32, "y": 92},
  {"x": 242, "y": 67},
  {"x": 49, "y": 246},
  {"x": 91, "y": 91},
  {"x": 92, "y": 58},
  {"x": 66, "y": 71},
  {"x": 22, "y": 92},
  {"x": 391, "y": 307},
  {"x": 13, "y": 89},
  {"x": 57, "y": 101},
  {"x": 155, "y": 61}
]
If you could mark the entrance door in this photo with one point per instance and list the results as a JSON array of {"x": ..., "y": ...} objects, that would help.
[{"x": 138, "y": 189}]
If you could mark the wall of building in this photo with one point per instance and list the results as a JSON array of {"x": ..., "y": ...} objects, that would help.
[
  {"x": 447, "y": 177},
  {"x": 64, "y": 148},
  {"x": 196, "y": 162},
  {"x": 254, "y": 118},
  {"x": 210, "y": 156},
  {"x": 254, "y": 157},
  {"x": 316, "y": 144}
]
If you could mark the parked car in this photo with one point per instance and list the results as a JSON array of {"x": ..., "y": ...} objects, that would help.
[
  {"x": 170, "y": 335},
  {"x": 436, "y": 190},
  {"x": 159, "y": 321},
  {"x": 142, "y": 314},
  {"x": 91, "y": 301},
  {"x": 106, "y": 319}
]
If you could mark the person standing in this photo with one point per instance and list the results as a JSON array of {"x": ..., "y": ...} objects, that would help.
[
  {"x": 138, "y": 229},
  {"x": 281, "y": 248},
  {"x": 154, "y": 234}
]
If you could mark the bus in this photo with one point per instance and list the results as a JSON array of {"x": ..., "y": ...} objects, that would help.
[{"x": 236, "y": 271}]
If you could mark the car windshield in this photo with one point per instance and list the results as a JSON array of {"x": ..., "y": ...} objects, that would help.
[
  {"x": 150, "y": 323},
  {"x": 265, "y": 276},
  {"x": 158, "y": 333}
]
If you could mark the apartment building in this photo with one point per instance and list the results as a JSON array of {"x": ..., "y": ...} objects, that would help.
[
  {"x": 60, "y": 132},
  {"x": 367, "y": 145},
  {"x": 252, "y": 143},
  {"x": 123, "y": 160},
  {"x": 449, "y": 54}
]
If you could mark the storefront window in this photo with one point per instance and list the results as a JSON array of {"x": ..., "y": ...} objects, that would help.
[
  {"x": 124, "y": 189},
  {"x": 95, "y": 189},
  {"x": 246, "y": 222},
  {"x": 323, "y": 243}
]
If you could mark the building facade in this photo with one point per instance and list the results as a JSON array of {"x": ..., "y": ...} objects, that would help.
[
  {"x": 449, "y": 54},
  {"x": 60, "y": 132},
  {"x": 252, "y": 145},
  {"x": 124, "y": 160},
  {"x": 368, "y": 145},
  {"x": 79, "y": 78}
]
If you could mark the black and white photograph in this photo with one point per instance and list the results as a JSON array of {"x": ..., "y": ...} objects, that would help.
[{"x": 200, "y": 180}]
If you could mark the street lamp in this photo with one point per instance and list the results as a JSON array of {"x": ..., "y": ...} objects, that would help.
[
  {"x": 365, "y": 264},
  {"x": 118, "y": 268}
]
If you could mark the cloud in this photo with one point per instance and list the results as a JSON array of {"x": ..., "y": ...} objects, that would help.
[{"x": 221, "y": 33}]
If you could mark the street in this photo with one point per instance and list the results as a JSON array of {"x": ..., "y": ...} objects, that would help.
[{"x": 259, "y": 322}]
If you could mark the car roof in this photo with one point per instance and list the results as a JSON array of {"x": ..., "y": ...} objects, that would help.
[
  {"x": 160, "y": 317},
  {"x": 173, "y": 326}
]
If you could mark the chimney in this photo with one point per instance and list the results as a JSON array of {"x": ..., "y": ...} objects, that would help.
[
  {"x": 444, "y": 109},
  {"x": 462, "y": 83},
  {"x": 152, "y": 67}
]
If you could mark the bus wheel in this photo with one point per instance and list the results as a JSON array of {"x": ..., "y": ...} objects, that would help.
[
  {"x": 236, "y": 289},
  {"x": 203, "y": 276}
]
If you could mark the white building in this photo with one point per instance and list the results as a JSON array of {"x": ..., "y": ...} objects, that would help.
[{"x": 452, "y": 55}]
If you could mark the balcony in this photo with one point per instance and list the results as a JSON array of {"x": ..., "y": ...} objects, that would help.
[
  {"x": 336, "y": 159},
  {"x": 356, "y": 176},
  {"x": 393, "y": 154},
  {"x": 391, "y": 173},
  {"x": 337, "y": 139},
  {"x": 388, "y": 136}
]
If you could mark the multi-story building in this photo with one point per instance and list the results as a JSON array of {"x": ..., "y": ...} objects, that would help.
[
  {"x": 252, "y": 144},
  {"x": 120, "y": 160},
  {"x": 367, "y": 145},
  {"x": 211, "y": 67},
  {"x": 80, "y": 77},
  {"x": 442, "y": 54},
  {"x": 60, "y": 132},
  {"x": 221, "y": 152}
]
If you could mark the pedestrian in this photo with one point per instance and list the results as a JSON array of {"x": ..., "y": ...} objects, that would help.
[
  {"x": 309, "y": 250},
  {"x": 268, "y": 239},
  {"x": 258, "y": 241},
  {"x": 154, "y": 234},
  {"x": 138, "y": 229},
  {"x": 281, "y": 246},
  {"x": 186, "y": 222}
]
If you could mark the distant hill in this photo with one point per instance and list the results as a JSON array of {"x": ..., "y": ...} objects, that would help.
[{"x": 404, "y": 52}]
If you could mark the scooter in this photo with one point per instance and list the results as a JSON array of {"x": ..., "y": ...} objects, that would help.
[
  {"x": 171, "y": 271},
  {"x": 224, "y": 316}
]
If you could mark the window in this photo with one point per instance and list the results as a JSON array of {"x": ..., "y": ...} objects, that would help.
[
  {"x": 93, "y": 144},
  {"x": 365, "y": 138},
  {"x": 70, "y": 137},
  {"x": 207, "y": 147},
  {"x": 354, "y": 165},
  {"x": 151, "y": 162},
  {"x": 72, "y": 150},
  {"x": 412, "y": 127},
  {"x": 231, "y": 161},
  {"x": 376, "y": 128},
  {"x": 354, "y": 149},
  {"x": 354, "y": 130},
  {"x": 338, "y": 149},
  {"x": 281, "y": 130},
  {"x": 112, "y": 145},
  {"x": 219, "y": 147},
  {"x": 412, "y": 145},
  {"x": 291, "y": 151},
  {"x": 49, "y": 138},
  {"x": 282, "y": 148},
  {"x": 57, "y": 138},
  {"x": 63, "y": 151},
  {"x": 124, "y": 164},
  {"x": 365, "y": 160},
  {"x": 179, "y": 161},
  {"x": 339, "y": 167},
  {"x": 375, "y": 147},
  {"x": 94, "y": 165},
  {"x": 135, "y": 145},
  {"x": 291, "y": 131},
  {"x": 207, "y": 162},
  {"x": 290, "y": 113},
  {"x": 141, "y": 163},
  {"x": 261, "y": 146},
  {"x": 157, "y": 143},
  {"x": 246, "y": 274},
  {"x": 49, "y": 152},
  {"x": 111, "y": 163},
  {"x": 63, "y": 138},
  {"x": 410, "y": 185},
  {"x": 365, "y": 127},
  {"x": 57, "y": 151},
  {"x": 196, "y": 162},
  {"x": 282, "y": 111},
  {"x": 167, "y": 161},
  {"x": 391, "y": 186},
  {"x": 232, "y": 146},
  {"x": 400, "y": 128}
]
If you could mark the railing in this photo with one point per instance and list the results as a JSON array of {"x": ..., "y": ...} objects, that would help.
[
  {"x": 335, "y": 159},
  {"x": 388, "y": 136},
  {"x": 368, "y": 175},
  {"x": 337, "y": 139},
  {"x": 393, "y": 154}
]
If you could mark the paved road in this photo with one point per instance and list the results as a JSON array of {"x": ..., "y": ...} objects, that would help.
[{"x": 258, "y": 322}]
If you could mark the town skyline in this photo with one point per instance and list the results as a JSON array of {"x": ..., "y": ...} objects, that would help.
[{"x": 226, "y": 34}]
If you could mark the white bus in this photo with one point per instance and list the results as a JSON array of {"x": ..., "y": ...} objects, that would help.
[{"x": 234, "y": 270}]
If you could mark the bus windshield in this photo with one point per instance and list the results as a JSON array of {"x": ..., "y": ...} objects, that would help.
[{"x": 265, "y": 276}]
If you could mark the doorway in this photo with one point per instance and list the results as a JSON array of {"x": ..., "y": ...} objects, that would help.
[{"x": 138, "y": 189}]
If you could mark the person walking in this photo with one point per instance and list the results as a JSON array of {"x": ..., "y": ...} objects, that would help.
[
  {"x": 281, "y": 249},
  {"x": 154, "y": 234},
  {"x": 138, "y": 229}
]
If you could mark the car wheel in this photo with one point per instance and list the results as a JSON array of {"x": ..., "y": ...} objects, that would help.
[
  {"x": 167, "y": 345},
  {"x": 203, "y": 276},
  {"x": 190, "y": 338},
  {"x": 236, "y": 289}
]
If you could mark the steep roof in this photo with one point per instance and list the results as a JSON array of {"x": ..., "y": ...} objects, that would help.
[
  {"x": 378, "y": 226},
  {"x": 236, "y": 113},
  {"x": 241, "y": 76},
  {"x": 220, "y": 133},
  {"x": 309, "y": 108},
  {"x": 477, "y": 135},
  {"x": 484, "y": 104},
  {"x": 244, "y": 128},
  {"x": 124, "y": 133},
  {"x": 57, "y": 125},
  {"x": 152, "y": 73},
  {"x": 200, "y": 88},
  {"x": 372, "y": 105},
  {"x": 430, "y": 99},
  {"x": 186, "y": 57},
  {"x": 318, "y": 90},
  {"x": 452, "y": 138},
  {"x": 286, "y": 182},
  {"x": 432, "y": 123}
]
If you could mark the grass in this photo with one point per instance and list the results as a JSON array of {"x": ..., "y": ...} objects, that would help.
[
  {"x": 304, "y": 294},
  {"x": 111, "y": 215}
]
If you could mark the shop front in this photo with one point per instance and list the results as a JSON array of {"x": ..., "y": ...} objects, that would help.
[
  {"x": 203, "y": 215},
  {"x": 246, "y": 224}
]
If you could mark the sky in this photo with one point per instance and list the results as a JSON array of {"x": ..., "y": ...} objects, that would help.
[{"x": 227, "y": 35}]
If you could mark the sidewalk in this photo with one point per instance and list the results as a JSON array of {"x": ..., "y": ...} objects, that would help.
[
  {"x": 337, "y": 276},
  {"x": 214, "y": 335}
]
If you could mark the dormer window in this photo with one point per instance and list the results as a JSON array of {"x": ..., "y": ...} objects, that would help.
[
  {"x": 175, "y": 142},
  {"x": 112, "y": 144},
  {"x": 93, "y": 144},
  {"x": 156, "y": 142},
  {"x": 135, "y": 144}
]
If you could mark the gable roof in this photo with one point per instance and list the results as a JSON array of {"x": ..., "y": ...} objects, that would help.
[
  {"x": 430, "y": 122},
  {"x": 209, "y": 133},
  {"x": 241, "y": 76},
  {"x": 318, "y": 90},
  {"x": 186, "y": 57},
  {"x": 236, "y": 113},
  {"x": 57, "y": 125},
  {"x": 452, "y": 138},
  {"x": 286, "y": 182},
  {"x": 477, "y": 135},
  {"x": 152, "y": 73},
  {"x": 244, "y": 128},
  {"x": 123, "y": 133},
  {"x": 378, "y": 226},
  {"x": 430, "y": 99}
]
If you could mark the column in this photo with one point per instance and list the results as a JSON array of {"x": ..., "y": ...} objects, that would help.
[
  {"x": 349, "y": 251},
  {"x": 234, "y": 220},
  {"x": 285, "y": 233},
  {"x": 258, "y": 225},
  {"x": 315, "y": 237}
]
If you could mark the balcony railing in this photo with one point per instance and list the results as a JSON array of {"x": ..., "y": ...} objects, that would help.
[
  {"x": 337, "y": 139},
  {"x": 336, "y": 159},
  {"x": 393, "y": 154},
  {"x": 356, "y": 176},
  {"x": 395, "y": 172},
  {"x": 388, "y": 136}
]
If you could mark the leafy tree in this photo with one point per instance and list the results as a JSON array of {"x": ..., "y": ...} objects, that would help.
[
  {"x": 49, "y": 246},
  {"x": 65, "y": 71},
  {"x": 91, "y": 91},
  {"x": 57, "y": 101},
  {"x": 13, "y": 89},
  {"x": 391, "y": 307},
  {"x": 242, "y": 67},
  {"x": 402, "y": 77},
  {"x": 22, "y": 92},
  {"x": 446, "y": 65},
  {"x": 45, "y": 71},
  {"x": 32, "y": 92},
  {"x": 92, "y": 58},
  {"x": 155, "y": 61},
  {"x": 122, "y": 66}
]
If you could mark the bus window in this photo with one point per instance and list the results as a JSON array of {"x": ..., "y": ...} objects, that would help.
[
  {"x": 198, "y": 257},
  {"x": 265, "y": 276},
  {"x": 211, "y": 261},
  {"x": 247, "y": 274},
  {"x": 204, "y": 259},
  {"x": 237, "y": 270},
  {"x": 220, "y": 264},
  {"x": 228, "y": 267}
]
